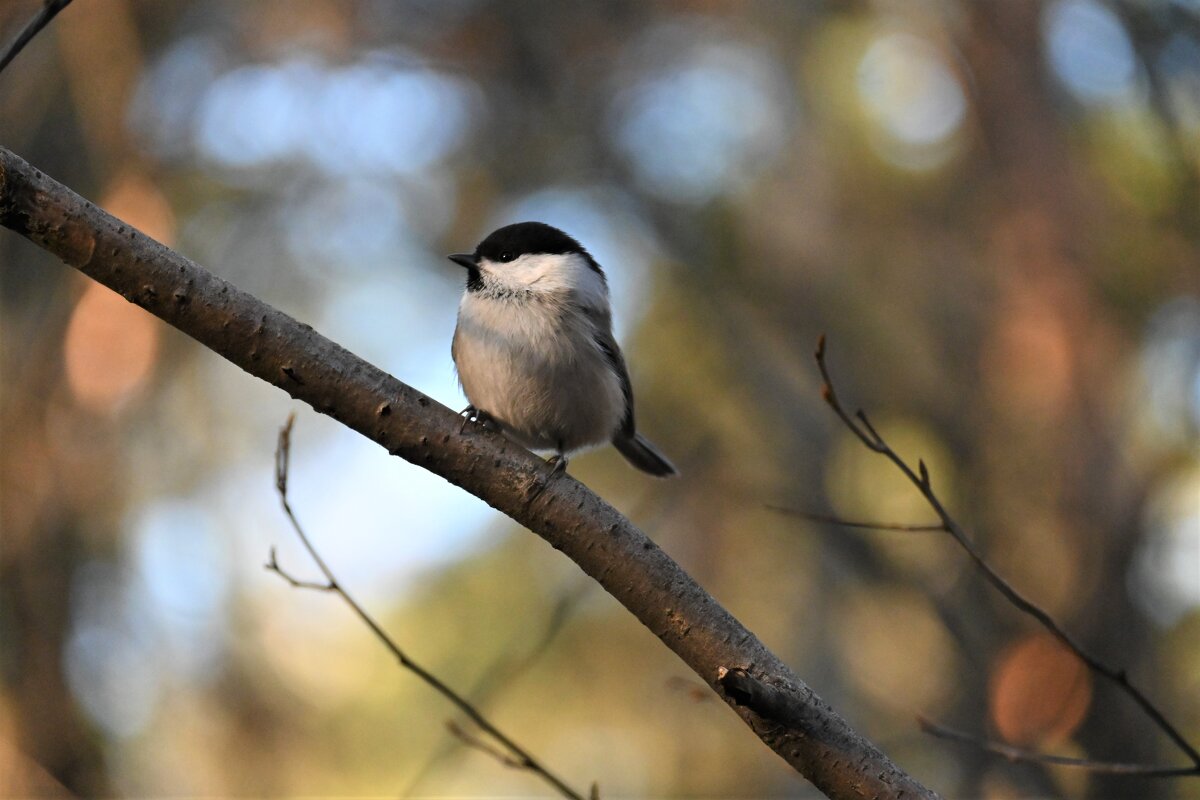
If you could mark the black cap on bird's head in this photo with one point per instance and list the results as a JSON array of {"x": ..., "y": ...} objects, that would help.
[{"x": 522, "y": 238}]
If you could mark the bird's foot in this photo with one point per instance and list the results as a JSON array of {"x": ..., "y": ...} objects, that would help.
[
  {"x": 472, "y": 414},
  {"x": 558, "y": 464}
]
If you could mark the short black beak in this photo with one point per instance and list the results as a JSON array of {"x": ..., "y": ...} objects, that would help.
[{"x": 468, "y": 260}]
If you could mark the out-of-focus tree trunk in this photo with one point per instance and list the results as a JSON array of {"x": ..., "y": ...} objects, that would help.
[
  {"x": 44, "y": 542},
  {"x": 1037, "y": 238}
]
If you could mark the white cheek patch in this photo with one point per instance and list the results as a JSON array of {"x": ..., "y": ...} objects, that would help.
[
  {"x": 518, "y": 273},
  {"x": 550, "y": 273},
  {"x": 542, "y": 271}
]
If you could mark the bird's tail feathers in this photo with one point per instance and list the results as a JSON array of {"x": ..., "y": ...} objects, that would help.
[{"x": 645, "y": 456}]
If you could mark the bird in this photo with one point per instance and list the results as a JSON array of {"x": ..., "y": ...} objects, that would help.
[{"x": 534, "y": 348}]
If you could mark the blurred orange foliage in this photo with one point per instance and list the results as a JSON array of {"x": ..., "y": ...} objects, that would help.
[
  {"x": 1039, "y": 692},
  {"x": 109, "y": 349}
]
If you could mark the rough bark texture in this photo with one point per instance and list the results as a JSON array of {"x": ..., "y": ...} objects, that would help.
[{"x": 271, "y": 345}]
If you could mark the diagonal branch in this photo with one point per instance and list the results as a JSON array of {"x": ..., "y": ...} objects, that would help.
[
  {"x": 270, "y": 345},
  {"x": 503, "y": 671},
  {"x": 482, "y": 746},
  {"x": 512, "y": 754},
  {"x": 1021, "y": 755},
  {"x": 831, "y": 519},
  {"x": 861, "y": 426},
  {"x": 41, "y": 19}
]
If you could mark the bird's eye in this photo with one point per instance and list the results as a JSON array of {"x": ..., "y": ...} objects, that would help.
[{"x": 506, "y": 256}]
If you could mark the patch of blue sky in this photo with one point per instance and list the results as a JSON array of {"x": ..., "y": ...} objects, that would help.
[
  {"x": 1090, "y": 51},
  {"x": 1165, "y": 574},
  {"x": 912, "y": 98},
  {"x": 1170, "y": 367},
  {"x": 112, "y": 662},
  {"x": 703, "y": 124},
  {"x": 378, "y": 115},
  {"x": 906, "y": 83}
]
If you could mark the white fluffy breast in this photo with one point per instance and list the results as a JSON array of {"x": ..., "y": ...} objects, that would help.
[{"x": 526, "y": 352}]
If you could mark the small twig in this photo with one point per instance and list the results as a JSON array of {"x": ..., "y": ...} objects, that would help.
[
  {"x": 1017, "y": 754},
  {"x": 504, "y": 758},
  {"x": 870, "y": 437},
  {"x": 505, "y": 670},
  {"x": 483, "y": 746},
  {"x": 517, "y": 754},
  {"x": 41, "y": 19},
  {"x": 272, "y": 565},
  {"x": 829, "y": 519}
]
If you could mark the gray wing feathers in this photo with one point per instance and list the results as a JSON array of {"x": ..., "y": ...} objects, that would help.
[
  {"x": 637, "y": 449},
  {"x": 608, "y": 346}
]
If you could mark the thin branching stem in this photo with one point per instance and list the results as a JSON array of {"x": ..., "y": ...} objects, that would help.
[
  {"x": 483, "y": 746},
  {"x": 861, "y": 427},
  {"x": 41, "y": 19},
  {"x": 1019, "y": 754},
  {"x": 516, "y": 755},
  {"x": 832, "y": 519}
]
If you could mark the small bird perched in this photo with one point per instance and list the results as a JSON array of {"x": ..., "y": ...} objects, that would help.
[{"x": 535, "y": 351}]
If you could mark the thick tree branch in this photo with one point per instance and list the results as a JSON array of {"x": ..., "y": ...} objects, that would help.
[
  {"x": 276, "y": 348},
  {"x": 768, "y": 702},
  {"x": 861, "y": 427}
]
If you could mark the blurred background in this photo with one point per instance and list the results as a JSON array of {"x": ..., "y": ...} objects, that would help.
[{"x": 991, "y": 208}]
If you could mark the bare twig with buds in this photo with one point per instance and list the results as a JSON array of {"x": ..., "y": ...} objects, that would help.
[
  {"x": 41, "y": 19},
  {"x": 508, "y": 750},
  {"x": 1020, "y": 754},
  {"x": 862, "y": 428}
]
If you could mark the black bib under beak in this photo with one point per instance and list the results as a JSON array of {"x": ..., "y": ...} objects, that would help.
[{"x": 468, "y": 260}]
